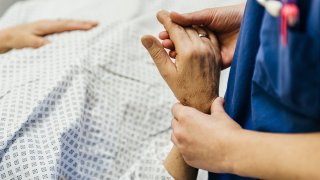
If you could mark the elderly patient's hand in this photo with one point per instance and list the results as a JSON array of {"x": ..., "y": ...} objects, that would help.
[
  {"x": 223, "y": 21},
  {"x": 32, "y": 34},
  {"x": 194, "y": 77}
]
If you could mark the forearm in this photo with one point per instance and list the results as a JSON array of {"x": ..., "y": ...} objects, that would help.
[
  {"x": 4, "y": 41},
  {"x": 275, "y": 156}
]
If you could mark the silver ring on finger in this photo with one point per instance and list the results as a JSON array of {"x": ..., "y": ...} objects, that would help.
[{"x": 203, "y": 35}]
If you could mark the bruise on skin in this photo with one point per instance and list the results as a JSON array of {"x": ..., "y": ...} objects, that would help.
[
  {"x": 184, "y": 101},
  {"x": 204, "y": 75}
]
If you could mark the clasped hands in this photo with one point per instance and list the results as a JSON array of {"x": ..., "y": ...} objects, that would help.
[
  {"x": 194, "y": 77},
  {"x": 202, "y": 139}
]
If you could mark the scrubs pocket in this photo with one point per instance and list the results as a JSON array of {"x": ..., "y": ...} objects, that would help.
[{"x": 290, "y": 74}]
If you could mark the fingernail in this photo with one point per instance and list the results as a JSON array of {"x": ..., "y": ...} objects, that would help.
[{"x": 147, "y": 43}]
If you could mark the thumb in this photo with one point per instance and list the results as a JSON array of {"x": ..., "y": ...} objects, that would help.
[
  {"x": 203, "y": 17},
  {"x": 217, "y": 105},
  {"x": 159, "y": 55}
]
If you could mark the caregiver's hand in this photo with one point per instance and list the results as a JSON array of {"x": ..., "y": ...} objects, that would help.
[
  {"x": 194, "y": 77},
  {"x": 202, "y": 139},
  {"x": 223, "y": 21},
  {"x": 32, "y": 34}
]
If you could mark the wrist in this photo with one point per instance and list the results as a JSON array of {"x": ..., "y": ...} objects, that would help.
[
  {"x": 5, "y": 41},
  {"x": 234, "y": 156},
  {"x": 204, "y": 107},
  {"x": 201, "y": 104}
]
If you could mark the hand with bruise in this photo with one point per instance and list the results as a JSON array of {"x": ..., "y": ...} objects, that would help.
[
  {"x": 194, "y": 77},
  {"x": 223, "y": 21}
]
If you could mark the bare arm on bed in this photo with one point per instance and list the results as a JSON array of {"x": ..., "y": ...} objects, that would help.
[{"x": 32, "y": 34}]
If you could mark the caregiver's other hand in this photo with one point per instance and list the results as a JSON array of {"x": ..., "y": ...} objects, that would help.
[
  {"x": 194, "y": 77},
  {"x": 202, "y": 139},
  {"x": 32, "y": 34},
  {"x": 223, "y": 21}
]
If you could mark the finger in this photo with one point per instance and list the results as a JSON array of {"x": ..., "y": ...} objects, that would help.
[
  {"x": 175, "y": 128},
  {"x": 168, "y": 44},
  {"x": 177, "y": 33},
  {"x": 217, "y": 105},
  {"x": 215, "y": 47},
  {"x": 163, "y": 62},
  {"x": 174, "y": 124},
  {"x": 185, "y": 114},
  {"x": 57, "y": 26},
  {"x": 181, "y": 112},
  {"x": 193, "y": 34},
  {"x": 202, "y": 31},
  {"x": 177, "y": 111},
  {"x": 213, "y": 38},
  {"x": 164, "y": 35},
  {"x": 174, "y": 140},
  {"x": 173, "y": 54},
  {"x": 203, "y": 17},
  {"x": 34, "y": 42}
]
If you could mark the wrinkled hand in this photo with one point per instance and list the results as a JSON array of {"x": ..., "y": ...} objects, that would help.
[
  {"x": 32, "y": 34},
  {"x": 223, "y": 21},
  {"x": 194, "y": 77},
  {"x": 203, "y": 139}
]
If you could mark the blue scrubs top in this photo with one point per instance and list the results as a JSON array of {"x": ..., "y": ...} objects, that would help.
[{"x": 276, "y": 88}]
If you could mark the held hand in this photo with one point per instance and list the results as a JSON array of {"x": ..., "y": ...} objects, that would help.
[
  {"x": 32, "y": 34},
  {"x": 194, "y": 77},
  {"x": 223, "y": 21},
  {"x": 203, "y": 139}
]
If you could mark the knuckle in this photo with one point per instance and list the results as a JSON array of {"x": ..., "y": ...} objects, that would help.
[
  {"x": 181, "y": 115},
  {"x": 190, "y": 53},
  {"x": 177, "y": 134},
  {"x": 186, "y": 115},
  {"x": 174, "y": 109},
  {"x": 205, "y": 49},
  {"x": 179, "y": 28}
]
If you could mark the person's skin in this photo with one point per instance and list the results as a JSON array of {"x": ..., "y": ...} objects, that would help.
[
  {"x": 218, "y": 144},
  {"x": 223, "y": 21},
  {"x": 194, "y": 77},
  {"x": 32, "y": 35}
]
